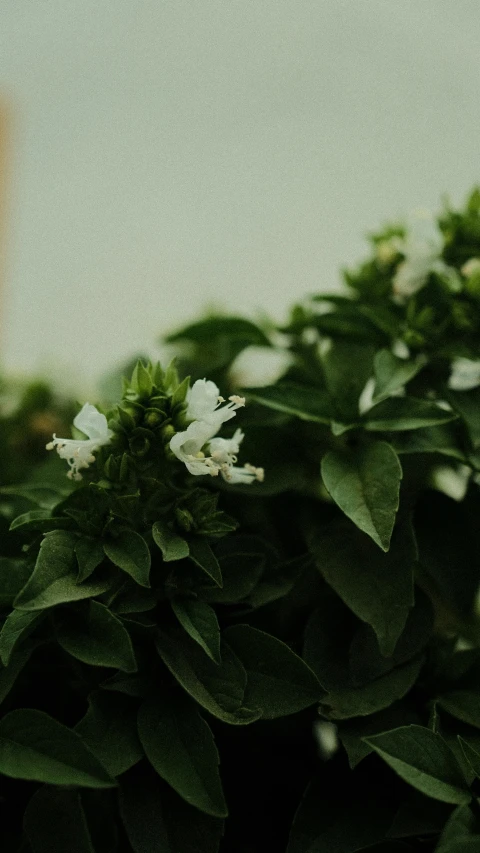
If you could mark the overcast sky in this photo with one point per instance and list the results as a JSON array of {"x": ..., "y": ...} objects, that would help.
[{"x": 167, "y": 155}]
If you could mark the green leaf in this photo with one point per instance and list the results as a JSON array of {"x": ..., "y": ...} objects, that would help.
[
  {"x": 35, "y": 746},
  {"x": 467, "y": 405},
  {"x": 180, "y": 392},
  {"x": 157, "y": 820},
  {"x": 203, "y": 556},
  {"x": 457, "y": 834},
  {"x": 240, "y": 573},
  {"x": 353, "y": 732},
  {"x": 109, "y": 729},
  {"x": 55, "y": 822},
  {"x": 277, "y": 581},
  {"x": 325, "y": 823},
  {"x": 200, "y": 622},
  {"x": 10, "y": 673},
  {"x": 218, "y": 689},
  {"x": 471, "y": 754},
  {"x": 423, "y": 759},
  {"x": 404, "y": 413},
  {"x": 180, "y": 746},
  {"x": 326, "y": 650},
  {"x": 203, "y": 331},
  {"x": 393, "y": 373},
  {"x": 44, "y": 496},
  {"x": 54, "y": 579},
  {"x": 89, "y": 554},
  {"x": 344, "y": 384},
  {"x": 462, "y": 704},
  {"x": 172, "y": 546},
  {"x": 278, "y": 681},
  {"x": 441, "y": 439},
  {"x": 141, "y": 380},
  {"x": 39, "y": 519},
  {"x": 366, "y": 662},
  {"x": 347, "y": 701},
  {"x": 129, "y": 552},
  {"x": 17, "y": 626},
  {"x": 377, "y": 587},
  {"x": 365, "y": 483},
  {"x": 308, "y": 403},
  {"x": 94, "y": 635}
]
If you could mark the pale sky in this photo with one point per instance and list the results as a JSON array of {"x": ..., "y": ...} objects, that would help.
[{"x": 172, "y": 154}]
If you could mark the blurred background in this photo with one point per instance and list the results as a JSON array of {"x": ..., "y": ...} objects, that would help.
[{"x": 163, "y": 156}]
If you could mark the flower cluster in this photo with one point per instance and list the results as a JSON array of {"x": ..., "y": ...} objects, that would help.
[
  {"x": 198, "y": 447},
  {"x": 207, "y": 414}
]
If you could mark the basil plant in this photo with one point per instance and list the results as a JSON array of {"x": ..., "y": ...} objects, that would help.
[{"x": 251, "y": 622}]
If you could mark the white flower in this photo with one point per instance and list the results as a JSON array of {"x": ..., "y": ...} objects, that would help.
[
  {"x": 224, "y": 453},
  {"x": 79, "y": 453},
  {"x": 199, "y": 448},
  {"x": 465, "y": 374},
  {"x": 422, "y": 247},
  {"x": 187, "y": 446},
  {"x": 203, "y": 404}
]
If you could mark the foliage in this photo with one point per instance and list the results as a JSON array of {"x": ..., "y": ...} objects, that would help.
[{"x": 197, "y": 659}]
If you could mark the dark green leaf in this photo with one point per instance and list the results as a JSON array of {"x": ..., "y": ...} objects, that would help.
[
  {"x": 344, "y": 702},
  {"x": 10, "y": 673},
  {"x": 180, "y": 746},
  {"x": 305, "y": 402},
  {"x": 240, "y": 573},
  {"x": 441, "y": 439},
  {"x": 365, "y": 483},
  {"x": 203, "y": 556},
  {"x": 472, "y": 756},
  {"x": 366, "y": 662},
  {"x": 55, "y": 822},
  {"x": 200, "y": 622},
  {"x": 17, "y": 626},
  {"x": 89, "y": 554},
  {"x": 109, "y": 729},
  {"x": 94, "y": 635},
  {"x": 393, "y": 373},
  {"x": 157, "y": 820},
  {"x": 45, "y": 496},
  {"x": 423, "y": 759},
  {"x": 467, "y": 404},
  {"x": 54, "y": 579},
  {"x": 328, "y": 824},
  {"x": 457, "y": 835},
  {"x": 35, "y": 746},
  {"x": 278, "y": 681},
  {"x": 172, "y": 546},
  {"x": 129, "y": 552},
  {"x": 404, "y": 413},
  {"x": 326, "y": 650},
  {"x": 377, "y": 587},
  {"x": 344, "y": 383},
  {"x": 39, "y": 519},
  {"x": 220, "y": 326},
  {"x": 352, "y": 733},
  {"x": 462, "y": 704},
  {"x": 218, "y": 689}
]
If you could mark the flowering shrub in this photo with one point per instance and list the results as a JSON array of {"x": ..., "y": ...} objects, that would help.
[{"x": 281, "y": 654}]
